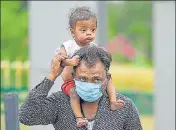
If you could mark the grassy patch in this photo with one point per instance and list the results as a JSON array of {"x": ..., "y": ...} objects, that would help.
[{"x": 133, "y": 79}]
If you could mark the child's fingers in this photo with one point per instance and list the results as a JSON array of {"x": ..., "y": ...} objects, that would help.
[
  {"x": 62, "y": 54},
  {"x": 77, "y": 63},
  {"x": 59, "y": 58},
  {"x": 77, "y": 56}
]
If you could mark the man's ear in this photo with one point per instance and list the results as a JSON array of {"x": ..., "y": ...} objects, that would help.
[{"x": 73, "y": 74}]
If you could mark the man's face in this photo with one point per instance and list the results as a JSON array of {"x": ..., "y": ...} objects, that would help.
[
  {"x": 95, "y": 74},
  {"x": 85, "y": 31}
]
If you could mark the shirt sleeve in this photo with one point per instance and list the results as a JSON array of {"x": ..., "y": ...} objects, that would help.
[
  {"x": 133, "y": 121},
  {"x": 57, "y": 51},
  {"x": 38, "y": 109},
  {"x": 95, "y": 44}
]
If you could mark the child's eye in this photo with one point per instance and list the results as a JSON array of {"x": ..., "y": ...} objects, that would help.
[
  {"x": 93, "y": 30},
  {"x": 83, "y": 30}
]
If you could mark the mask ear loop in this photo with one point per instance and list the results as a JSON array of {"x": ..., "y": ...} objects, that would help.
[
  {"x": 106, "y": 84},
  {"x": 103, "y": 87}
]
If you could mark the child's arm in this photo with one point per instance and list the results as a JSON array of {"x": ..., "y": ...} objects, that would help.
[
  {"x": 69, "y": 61},
  {"x": 67, "y": 64}
]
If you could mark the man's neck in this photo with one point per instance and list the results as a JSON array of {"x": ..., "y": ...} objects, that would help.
[{"x": 90, "y": 109}]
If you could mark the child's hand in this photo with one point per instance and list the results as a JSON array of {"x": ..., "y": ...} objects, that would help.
[{"x": 75, "y": 60}]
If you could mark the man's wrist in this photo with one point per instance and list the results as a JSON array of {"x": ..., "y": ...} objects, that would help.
[{"x": 51, "y": 77}]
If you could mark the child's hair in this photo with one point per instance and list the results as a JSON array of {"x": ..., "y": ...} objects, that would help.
[{"x": 80, "y": 13}]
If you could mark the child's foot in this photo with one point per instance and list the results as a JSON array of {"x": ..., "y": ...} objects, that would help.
[
  {"x": 80, "y": 121},
  {"x": 115, "y": 105}
]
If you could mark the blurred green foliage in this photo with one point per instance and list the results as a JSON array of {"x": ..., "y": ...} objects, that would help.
[
  {"x": 134, "y": 20},
  {"x": 14, "y": 31}
]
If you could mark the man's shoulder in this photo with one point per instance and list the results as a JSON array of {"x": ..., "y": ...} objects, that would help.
[
  {"x": 60, "y": 96},
  {"x": 93, "y": 44}
]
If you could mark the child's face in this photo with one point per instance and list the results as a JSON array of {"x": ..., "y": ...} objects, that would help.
[{"x": 84, "y": 31}]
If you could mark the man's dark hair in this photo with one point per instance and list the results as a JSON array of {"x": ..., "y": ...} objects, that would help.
[
  {"x": 91, "y": 54},
  {"x": 79, "y": 14}
]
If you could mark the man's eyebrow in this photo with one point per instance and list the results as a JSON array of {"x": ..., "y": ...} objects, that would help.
[
  {"x": 97, "y": 77},
  {"x": 82, "y": 76}
]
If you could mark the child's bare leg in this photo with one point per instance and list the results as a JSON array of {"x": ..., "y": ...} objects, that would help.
[
  {"x": 75, "y": 103},
  {"x": 71, "y": 62},
  {"x": 114, "y": 103}
]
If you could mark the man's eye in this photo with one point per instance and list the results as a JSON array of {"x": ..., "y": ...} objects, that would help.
[
  {"x": 96, "y": 80},
  {"x": 83, "y": 79}
]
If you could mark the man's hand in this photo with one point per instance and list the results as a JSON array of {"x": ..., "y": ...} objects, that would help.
[{"x": 56, "y": 68}]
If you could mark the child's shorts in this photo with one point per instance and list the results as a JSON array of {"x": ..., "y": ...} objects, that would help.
[{"x": 67, "y": 85}]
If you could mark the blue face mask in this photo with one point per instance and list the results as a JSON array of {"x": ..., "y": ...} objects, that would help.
[{"x": 89, "y": 92}]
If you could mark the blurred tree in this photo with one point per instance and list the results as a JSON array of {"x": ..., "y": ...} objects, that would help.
[
  {"x": 133, "y": 19},
  {"x": 130, "y": 18},
  {"x": 14, "y": 31}
]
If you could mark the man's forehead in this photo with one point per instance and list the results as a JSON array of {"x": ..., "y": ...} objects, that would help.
[{"x": 98, "y": 68}]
